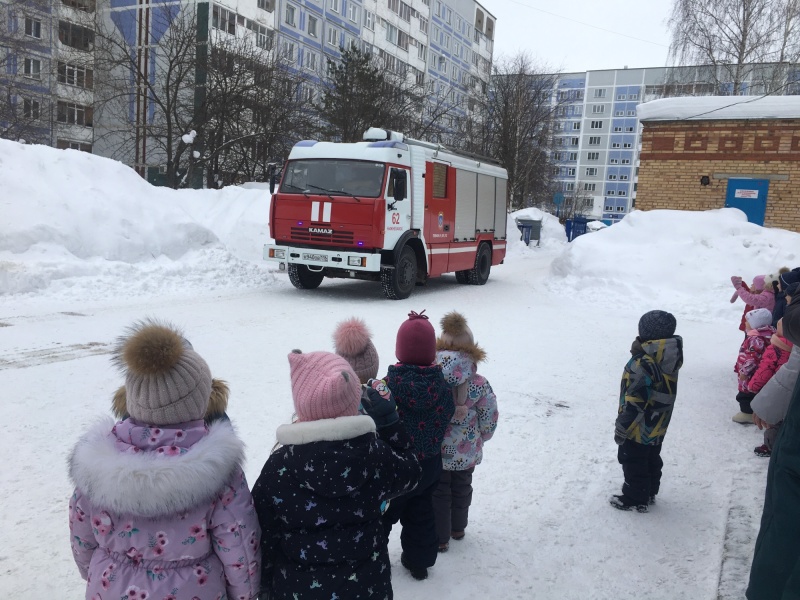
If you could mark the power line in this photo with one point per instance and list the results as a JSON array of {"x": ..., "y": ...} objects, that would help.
[{"x": 587, "y": 24}]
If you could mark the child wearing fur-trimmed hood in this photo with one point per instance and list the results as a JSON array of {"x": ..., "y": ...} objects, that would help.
[{"x": 473, "y": 423}]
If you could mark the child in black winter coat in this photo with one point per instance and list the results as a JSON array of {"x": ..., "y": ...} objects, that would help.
[
  {"x": 321, "y": 494},
  {"x": 425, "y": 403}
]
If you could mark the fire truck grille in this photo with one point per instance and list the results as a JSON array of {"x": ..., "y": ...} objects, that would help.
[{"x": 338, "y": 237}]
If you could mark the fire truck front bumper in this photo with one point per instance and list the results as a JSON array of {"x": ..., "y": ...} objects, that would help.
[{"x": 335, "y": 259}]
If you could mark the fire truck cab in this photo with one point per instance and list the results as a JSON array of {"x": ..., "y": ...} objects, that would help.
[{"x": 388, "y": 209}]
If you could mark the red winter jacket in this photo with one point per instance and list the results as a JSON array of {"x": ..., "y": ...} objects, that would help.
[
  {"x": 774, "y": 358},
  {"x": 750, "y": 353}
]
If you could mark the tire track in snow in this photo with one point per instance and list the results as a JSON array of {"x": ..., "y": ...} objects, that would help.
[{"x": 56, "y": 353}]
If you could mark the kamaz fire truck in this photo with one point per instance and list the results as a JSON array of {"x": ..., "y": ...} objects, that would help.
[{"x": 388, "y": 209}]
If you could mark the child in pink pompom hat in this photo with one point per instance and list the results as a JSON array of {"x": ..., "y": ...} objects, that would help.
[{"x": 322, "y": 491}]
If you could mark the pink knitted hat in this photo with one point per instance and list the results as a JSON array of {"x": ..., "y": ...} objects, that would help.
[
  {"x": 416, "y": 341},
  {"x": 324, "y": 386},
  {"x": 351, "y": 340}
]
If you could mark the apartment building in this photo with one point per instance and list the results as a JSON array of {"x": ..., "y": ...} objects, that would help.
[
  {"x": 46, "y": 68},
  {"x": 597, "y": 133}
]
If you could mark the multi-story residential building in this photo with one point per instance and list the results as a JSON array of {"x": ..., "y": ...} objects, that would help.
[
  {"x": 597, "y": 133},
  {"x": 446, "y": 45},
  {"x": 47, "y": 71}
]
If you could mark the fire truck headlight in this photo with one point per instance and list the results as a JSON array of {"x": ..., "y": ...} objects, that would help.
[
  {"x": 275, "y": 253},
  {"x": 355, "y": 261}
]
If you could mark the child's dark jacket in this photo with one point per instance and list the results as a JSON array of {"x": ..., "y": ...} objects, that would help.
[
  {"x": 319, "y": 500},
  {"x": 424, "y": 403},
  {"x": 648, "y": 389}
]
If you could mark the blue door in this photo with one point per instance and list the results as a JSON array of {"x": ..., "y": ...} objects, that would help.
[{"x": 749, "y": 196}]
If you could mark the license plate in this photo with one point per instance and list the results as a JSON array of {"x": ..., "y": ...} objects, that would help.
[{"x": 317, "y": 257}]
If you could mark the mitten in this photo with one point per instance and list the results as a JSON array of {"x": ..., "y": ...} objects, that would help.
[
  {"x": 382, "y": 410},
  {"x": 736, "y": 281}
]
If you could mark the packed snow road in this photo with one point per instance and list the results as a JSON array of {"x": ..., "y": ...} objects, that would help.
[{"x": 541, "y": 526}]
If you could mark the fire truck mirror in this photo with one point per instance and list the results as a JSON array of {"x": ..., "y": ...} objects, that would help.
[{"x": 399, "y": 184}]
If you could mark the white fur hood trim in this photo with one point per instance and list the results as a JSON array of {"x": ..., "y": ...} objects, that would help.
[
  {"x": 150, "y": 485},
  {"x": 325, "y": 430}
]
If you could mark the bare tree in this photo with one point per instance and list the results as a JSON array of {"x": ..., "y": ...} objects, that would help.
[
  {"x": 733, "y": 36},
  {"x": 514, "y": 125}
]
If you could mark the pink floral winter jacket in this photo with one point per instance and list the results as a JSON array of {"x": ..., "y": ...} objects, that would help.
[
  {"x": 163, "y": 513},
  {"x": 750, "y": 353}
]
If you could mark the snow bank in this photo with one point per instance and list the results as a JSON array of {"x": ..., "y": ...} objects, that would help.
[
  {"x": 720, "y": 107},
  {"x": 553, "y": 236},
  {"x": 69, "y": 214},
  {"x": 681, "y": 259}
]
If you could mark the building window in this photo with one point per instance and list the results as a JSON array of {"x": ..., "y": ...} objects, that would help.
[
  {"x": 623, "y": 178},
  {"x": 312, "y": 26},
  {"x": 591, "y": 171},
  {"x": 336, "y": 6},
  {"x": 333, "y": 36},
  {"x": 613, "y": 161},
  {"x": 589, "y": 187},
  {"x": 594, "y": 141},
  {"x": 266, "y": 5},
  {"x": 423, "y": 25},
  {"x": 570, "y": 186},
  {"x": 311, "y": 60},
  {"x": 626, "y": 161},
  {"x": 615, "y": 144},
  {"x": 576, "y": 125},
  {"x": 573, "y": 156},
  {"x": 70, "y": 145},
  {"x": 633, "y": 96},
  {"x": 84, "y": 5},
  {"x": 620, "y": 96},
  {"x": 75, "y": 36},
  {"x": 31, "y": 109},
  {"x": 291, "y": 12},
  {"x": 612, "y": 177},
  {"x": 593, "y": 156},
  {"x": 617, "y": 129},
  {"x": 629, "y": 129},
  {"x": 401, "y": 9},
  {"x": 369, "y": 20},
  {"x": 352, "y": 12},
  {"x": 33, "y": 28},
  {"x": 571, "y": 172},
  {"x": 610, "y": 192},
  {"x": 620, "y": 209},
  {"x": 574, "y": 141},
  {"x": 32, "y": 68},
  {"x": 619, "y": 113},
  {"x": 627, "y": 145},
  {"x": 224, "y": 20},
  {"x": 597, "y": 124},
  {"x": 288, "y": 51},
  {"x": 622, "y": 193},
  {"x": 600, "y": 93},
  {"x": 598, "y": 108},
  {"x": 631, "y": 113},
  {"x": 608, "y": 208},
  {"x": 74, "y": 114},
  {"x": 75, "y": 75}
]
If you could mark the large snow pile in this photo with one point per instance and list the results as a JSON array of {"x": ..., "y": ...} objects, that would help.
[
  {"x": 680, "y": 259},
  {"x": 71, "y": 219},
  {"x": 552, "y": 235}
]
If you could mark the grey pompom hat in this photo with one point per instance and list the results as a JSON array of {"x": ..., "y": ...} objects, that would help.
[{"x": 166, "y": 381}]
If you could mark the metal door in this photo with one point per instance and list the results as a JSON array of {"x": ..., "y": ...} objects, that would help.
[{"x": 749, "y": 196}]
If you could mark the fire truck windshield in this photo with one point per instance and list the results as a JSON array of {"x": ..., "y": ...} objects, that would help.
[{"x": 334, "y": 177}]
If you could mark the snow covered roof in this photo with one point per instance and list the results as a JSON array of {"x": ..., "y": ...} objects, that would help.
[{"x": 701, "y": 108}]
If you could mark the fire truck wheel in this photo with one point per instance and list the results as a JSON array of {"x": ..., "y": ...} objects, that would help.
[
  {"x": 479, "y": 274},
  {"x": 304, "y": 279},
  {"x": 462, "y": 276},
  {"x": 399, "y": 282}
]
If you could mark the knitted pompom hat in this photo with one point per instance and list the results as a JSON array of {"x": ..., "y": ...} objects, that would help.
[
  {"x": 324, "y": 386},
  {"x": 166, "y": 381},
  {"x": 759, "y": 284},
  {"x": 657, "y": 325},
  {"x": 416, "y": 341},
  {"x": 457, "y": 336},
  {"x": 758, "y": 318},
  {"x": 351, "y": 341}
]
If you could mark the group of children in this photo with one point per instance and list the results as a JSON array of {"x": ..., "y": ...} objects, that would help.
[
  {"x": 767, "y": 364},
  {"x": 162, "y": 510}
]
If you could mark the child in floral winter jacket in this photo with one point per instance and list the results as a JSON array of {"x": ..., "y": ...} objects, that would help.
[
  {"x": 321, "y": 493},
  {"x": 425, "y": 403},
  {"x": 759, "y": 332},
  {"x": 161, "y": 507},
  {"x": 473, "y": 423}
]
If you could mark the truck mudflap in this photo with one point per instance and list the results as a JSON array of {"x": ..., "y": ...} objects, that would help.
[{"x": 318, "y": 258}]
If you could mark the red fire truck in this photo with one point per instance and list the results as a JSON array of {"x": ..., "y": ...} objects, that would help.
[{"x": 388, "y": 209}]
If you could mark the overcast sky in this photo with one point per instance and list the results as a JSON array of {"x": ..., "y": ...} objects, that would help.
[{"x": 583, "y": 35}]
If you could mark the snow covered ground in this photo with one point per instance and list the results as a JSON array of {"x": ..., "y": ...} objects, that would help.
[{"x": 86, "y": 247}]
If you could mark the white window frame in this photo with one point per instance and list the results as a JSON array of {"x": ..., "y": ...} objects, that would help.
[
  {"x": 33, "y": 28},
  {"x": 352, "y": 11},
  {"x": 597, "y": 125},
  {"x": 31, "y": 109},
  {"x": 591, "y": 171},
  {"x": 594, "y": 141},
  {"x": 332, "y": 36},
  {"x": 290, "y": 16},
  {"x": 593, "y": 156},
  {"x": 315, "y": 31},
  {"x": 600, "y": 93},
  {"x": 626, "y": 161},
  {"x": 576, "y": 126},
  {"x": 589, "y": 187},
  {"x": 32, "y": 68},
  {"x": 369, "y": 20},
  {"x": 335, "y": 6},
  {"x": 598, "y": 109}
]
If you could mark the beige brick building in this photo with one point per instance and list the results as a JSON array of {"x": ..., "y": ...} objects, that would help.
[{"x": 692, "y": 147}]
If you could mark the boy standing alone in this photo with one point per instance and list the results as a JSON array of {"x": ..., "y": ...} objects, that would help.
[{"x": 647, "y": 396}]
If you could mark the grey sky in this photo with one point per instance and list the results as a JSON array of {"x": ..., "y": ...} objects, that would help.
[{"x": 581, "y": 35}]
